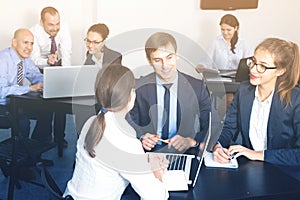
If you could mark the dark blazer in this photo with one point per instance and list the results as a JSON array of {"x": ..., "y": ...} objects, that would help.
[
  {"x": 109, "y": 57},
  {"x": 283, "y": 132},
  {"x": 193, "y": 107}
]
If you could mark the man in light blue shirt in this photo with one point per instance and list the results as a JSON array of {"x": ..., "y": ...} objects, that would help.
[{"x": 15, "y": 59}]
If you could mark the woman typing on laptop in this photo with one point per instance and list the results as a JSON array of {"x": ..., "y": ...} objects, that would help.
[
  {"x": 266, "y": 109},
  {"x": 109, "y": 156},
  {"x": 225, "y": 53}
]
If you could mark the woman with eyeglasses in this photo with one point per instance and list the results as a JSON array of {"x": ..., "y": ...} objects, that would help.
[
  {"x": 266, "y": 109},
  {"x": 97, "y": 52}
]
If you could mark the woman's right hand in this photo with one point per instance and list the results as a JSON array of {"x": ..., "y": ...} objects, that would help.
[
  {"x": 220, "y": 154},
  {"x": 159, "y": 164},
  {"x": 200, "y": 68}
]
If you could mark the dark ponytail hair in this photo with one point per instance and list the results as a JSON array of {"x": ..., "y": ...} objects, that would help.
[
  {"x": 113, "y": 92},
  {"x": 232, "y": 21}
]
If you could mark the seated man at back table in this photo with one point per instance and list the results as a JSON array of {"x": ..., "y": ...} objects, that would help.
[
  {"x": 15, "y": 67},
  {"x": 167, "y": 90}
]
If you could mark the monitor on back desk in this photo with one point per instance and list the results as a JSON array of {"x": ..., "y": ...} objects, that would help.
[{"x": 69, "y": 81}]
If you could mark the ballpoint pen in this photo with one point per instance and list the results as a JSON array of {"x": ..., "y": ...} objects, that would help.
[
  {"x": 164, "y": 141},
  {"x": 231, "y": 156}
]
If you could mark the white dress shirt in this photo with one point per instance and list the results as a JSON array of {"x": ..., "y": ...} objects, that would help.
[
  {"x": 120, "y": 160},
  {"x": 259, "y": 122},
  {"x": 42, "y": 45}
]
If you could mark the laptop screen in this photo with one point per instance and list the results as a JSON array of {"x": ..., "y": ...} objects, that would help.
[{"x": 69, "y": 81}]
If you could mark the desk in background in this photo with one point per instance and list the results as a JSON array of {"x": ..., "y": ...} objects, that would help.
[{"x": 81, "y": 107}]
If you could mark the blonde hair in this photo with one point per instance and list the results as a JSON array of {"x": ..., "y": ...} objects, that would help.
[{"x": 286, "y": 56}]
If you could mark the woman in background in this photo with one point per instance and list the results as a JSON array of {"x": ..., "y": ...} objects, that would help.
[
  {"x": 225, "y": 53},
  {"x": 227, "y": 49},
  {"x": 109, "y": 156},
  {"x": 98, "y": 53},
  {"x": 266, "y": 109}
]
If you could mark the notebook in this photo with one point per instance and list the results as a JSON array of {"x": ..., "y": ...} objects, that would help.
[
  {"x": 209, "y": 162},
  {"x": 179, "y": 175},
  {"x": 69, "y": 81}
]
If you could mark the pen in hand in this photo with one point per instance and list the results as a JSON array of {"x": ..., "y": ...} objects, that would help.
[{"x": 224, "y": 150}]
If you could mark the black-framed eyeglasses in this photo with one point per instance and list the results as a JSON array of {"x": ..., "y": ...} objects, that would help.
[
  {"x": 260, "y": 68},
  {"x": 88, "y": 42}
]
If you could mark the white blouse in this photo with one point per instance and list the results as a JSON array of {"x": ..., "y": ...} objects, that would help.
[
  {"x": 222, "y": 57},
  {"x": 120, "y": 160}
]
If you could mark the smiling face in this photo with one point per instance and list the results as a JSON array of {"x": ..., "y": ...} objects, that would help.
[
  {"x": 164, "y": 63},
  {"x": 94, "y": 42},
  {"x": 269, "y": 77},
  {"x": 227, "y": 31},
  {"x": 51, "y": 24},
  {"x": 22, "y": 43}
]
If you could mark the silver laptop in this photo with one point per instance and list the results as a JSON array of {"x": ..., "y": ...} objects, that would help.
[
  {"x": 69, "y": 81},
  {"x": 181, "y": 172}
]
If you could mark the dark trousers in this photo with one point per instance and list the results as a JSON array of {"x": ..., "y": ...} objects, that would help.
[{"x": 43, "y": 128}]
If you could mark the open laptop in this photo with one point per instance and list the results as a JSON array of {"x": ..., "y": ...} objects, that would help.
[
  {"x": 69, "y": 81},
  {"x": 184, "y": 169}
]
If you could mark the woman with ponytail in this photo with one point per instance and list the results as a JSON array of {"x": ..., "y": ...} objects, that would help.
[
  {"x": 266, "y": 109},
  {"x": 225, "y": 53},
  {"x": 109, "y": 155},
  {"x": 227, "y": 49}
]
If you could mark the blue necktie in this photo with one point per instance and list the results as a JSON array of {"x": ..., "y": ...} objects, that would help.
[{"x": 165, "y": 129}]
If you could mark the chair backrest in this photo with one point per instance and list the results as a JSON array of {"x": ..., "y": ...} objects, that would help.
[
  {"x": 5, "y": 122},
  {"x": 243, "y": 71},
  {"x": 49, "y": 183}
]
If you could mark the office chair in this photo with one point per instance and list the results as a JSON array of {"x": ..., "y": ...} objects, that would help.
[
  {"x": 16, "y": 152},
  {"x": 50, "y": 185}
]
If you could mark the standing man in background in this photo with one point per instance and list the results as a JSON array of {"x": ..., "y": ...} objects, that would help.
[
  {"x": 52, "y": 47},
  {"x": 52, "y": 42}
]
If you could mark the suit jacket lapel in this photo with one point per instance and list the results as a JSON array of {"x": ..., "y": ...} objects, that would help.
[{"x": 246, "y": 99}]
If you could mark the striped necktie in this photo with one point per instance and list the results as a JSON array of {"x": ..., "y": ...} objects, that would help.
[{"x": 20, "y": 73}]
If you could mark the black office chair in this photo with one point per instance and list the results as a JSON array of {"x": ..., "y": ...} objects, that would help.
[
  {"x": 17, "y": 152},
  {"x": 50, "y": 184}
]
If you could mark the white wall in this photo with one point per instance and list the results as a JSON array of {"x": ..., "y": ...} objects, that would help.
[
  {"x": 272, "y": 18},
  {"x": 77, "y": 14}
]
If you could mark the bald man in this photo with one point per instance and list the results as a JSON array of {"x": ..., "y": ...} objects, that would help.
[{"x": 11, "y": 84}]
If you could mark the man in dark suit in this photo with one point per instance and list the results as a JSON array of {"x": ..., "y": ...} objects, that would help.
[
  {"x": 97, "y": 52},
  {"x": 188, "y": 99}
]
